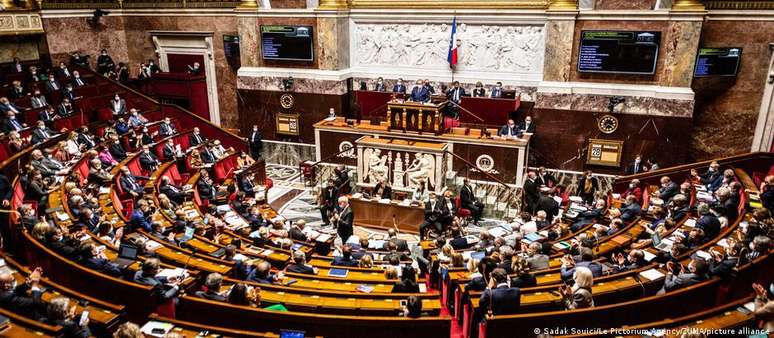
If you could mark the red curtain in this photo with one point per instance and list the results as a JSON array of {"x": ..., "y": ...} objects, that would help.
[{"x": 178, "y": 63}]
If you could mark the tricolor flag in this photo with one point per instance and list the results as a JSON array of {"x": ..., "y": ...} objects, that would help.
[{"x": 452, "y": 57}]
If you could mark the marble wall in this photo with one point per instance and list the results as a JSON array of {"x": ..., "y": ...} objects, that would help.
[
  {"x": 727, "y": 107},
  {"x": 22, "y": 47},
  {"x": 127, "y": 40},
  {"x": 624, "y": 4}
]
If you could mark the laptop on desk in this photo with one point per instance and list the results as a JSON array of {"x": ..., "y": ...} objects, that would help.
[
  {"x": 661, "y": 244},
  {"x": 188, "y": 235},
  {"x": 127, "y": 254}
]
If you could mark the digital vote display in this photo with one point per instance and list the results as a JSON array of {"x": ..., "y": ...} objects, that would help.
[
  {"x": 287, "y": 43},
  {"x": 627, "y": 52},
  {"x": 717, "y": 62}
]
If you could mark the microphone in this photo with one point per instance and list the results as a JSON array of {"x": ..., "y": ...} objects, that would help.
[{"x": 193, "y": 252}]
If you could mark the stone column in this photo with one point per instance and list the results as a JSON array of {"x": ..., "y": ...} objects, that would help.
[
  {"x": 764, "y": 129},
  {"x": 333, "y": 39},
  {"x": 560, "y": 34},
  {"x": 248, "y": 33}
]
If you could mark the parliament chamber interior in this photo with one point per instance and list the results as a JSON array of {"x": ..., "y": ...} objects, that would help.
[{"x": 386, "y": 168}]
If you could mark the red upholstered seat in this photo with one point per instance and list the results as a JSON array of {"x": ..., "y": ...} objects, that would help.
[{"x": 461, "y": 212}]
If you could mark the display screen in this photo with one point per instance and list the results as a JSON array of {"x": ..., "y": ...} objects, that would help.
[
  {"x": 231, "y": 46},
  {"x": 627, "y": 52},
  {"x": 287, "y": 43},
  {"x": 717, "y": 62}
]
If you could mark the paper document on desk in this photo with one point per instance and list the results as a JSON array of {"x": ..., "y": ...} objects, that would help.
[
  {"x": 652, "y": 274},
  {"x": 171, "y": 273},
  {"x": 104, "y": 190},
  {"x": 648, "y": 256},
  {"x": 160, "y": 327},
  {"x": 691, "y": 222},
  {"x": 704, "y": 254},
  {"x": 323, "y": 238}
]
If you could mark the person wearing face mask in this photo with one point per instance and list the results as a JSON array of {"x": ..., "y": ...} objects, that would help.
[
  {"x": 104, "y": 62},
  {"x": 256, "y": 142},
  {"x": 668, "y": 189},
  {"x": 479, "y": 91},
  {"x": 63, "y": 71},
  {"x": 497, "y": 91},
  {"x": 399, "y": 87},
  {"x": 636, "y": 166},
  {"x": 25, "y": 298},
  {"x": 419, "y": 93},
  {"x": 677, "y": 277},
  {"x": 41, "y": 133},
  {"x": 509, "y": 130},
  {"x": 433, "y": 213},
  {"x": 7, "y": 106},
  {"x": 148, "y": 160},
  {"x": 136, "y": 119},
  {"x": 709, "y": 177},
  {"x": 146, "y": 137},
  {"x": 68, "y": 92},
  {"x": 118, "y": 106},
  {"x": 77, "y": 80},
  {"x": 455, "y": 93},
  {"x": 38, "y": 99},
  {"x": 379, "y": 86},
  {"x": 587, "y": 187},
  {"x": 166, "y": 128},
  {"x": 429, "y": 87},
  {"x": 196, "y": 138},
  {"x": 11, "y": 123},
  {"x": 195, "y": 69},
  {"x": 527, "y": 126},
  {"x": 65, "y": 108}
]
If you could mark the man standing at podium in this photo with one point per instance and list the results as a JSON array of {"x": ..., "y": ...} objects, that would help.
[
  {"x": 456, "y": 93},
  {"x": 420, "y": 93},
  {"x": 399, "y": 87}
]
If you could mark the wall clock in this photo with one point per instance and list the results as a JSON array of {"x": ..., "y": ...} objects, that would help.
[
  {"x": 607, "y": 124},
  {"x": 287, "y": 100}
]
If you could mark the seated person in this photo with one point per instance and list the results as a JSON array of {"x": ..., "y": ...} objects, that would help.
[
  {"x": 382, "y": 190},
  {"x": 24, "y": 298},
  {"x": 62, "y": 312},
  {"x": 212, "y": 286},
  {"x": 346, "y": 257},
  {"x": 586, "y": 260},
  {"x": 175, "y": 193},
  {"x": 408, "y": 281},
  {"x": 677, "y": 277},
  {"x": 299, "y": 265},
  {"x": 509, "y": 130},
  {"x": 589, "y": 216},
  {"x": 261, "y": 273},
  {"x": 164, "y": 289},
  {"x": 631, "y": 209},
  {"x": 527, "y": 126},
  {"x": 668, "y": 189},
  {"x": 93, "y": 257}
]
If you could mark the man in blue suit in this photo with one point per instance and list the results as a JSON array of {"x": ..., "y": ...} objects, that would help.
[
  {"x": 399, "y": 87},
  {"x": 587, "y": 260},
  {"x": 420, "y": 93},
  {"x": 498, "y": 297},
  {"x": 139, "y": 218}
]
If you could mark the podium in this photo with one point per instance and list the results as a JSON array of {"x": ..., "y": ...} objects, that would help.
[{"x": 416, "y": 117}]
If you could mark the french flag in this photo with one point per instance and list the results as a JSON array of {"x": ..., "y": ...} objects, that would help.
[{"x": 452, "y": 57}]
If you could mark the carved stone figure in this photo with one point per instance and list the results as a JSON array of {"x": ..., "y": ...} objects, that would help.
[
  {"x": 421, "y": 169},
  {"x": 376, "y": 167}
]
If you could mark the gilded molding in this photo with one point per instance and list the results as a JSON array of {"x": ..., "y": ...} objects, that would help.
[
  {"x": 563, "y": 5},
  {"x": 447, "y": 4},
  {"x": 20, "y": 24},
  {"x": 334, "y": 4},
  {"x": 687, "y": 5},
  {"x": 739, "y": 4}
]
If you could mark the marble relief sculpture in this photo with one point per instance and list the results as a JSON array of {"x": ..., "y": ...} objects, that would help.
[
  {"x": 376, "y": 167},
  {"x": 398, "y": 174},
  {"x": 422, "y": 169},
  {"x": 502, "y": 48}
]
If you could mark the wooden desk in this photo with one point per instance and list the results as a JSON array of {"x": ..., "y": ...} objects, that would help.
[
  {"x": 373, "y": 214},
  {"x": 415, "y": 116}
]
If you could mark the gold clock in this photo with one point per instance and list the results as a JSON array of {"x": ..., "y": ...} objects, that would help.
[
  {"x": 287, "y": 100},
  {"x": 607, "y": 124}
]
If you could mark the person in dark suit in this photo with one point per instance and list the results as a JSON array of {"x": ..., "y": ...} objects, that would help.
[
  {"x": 379, "y": 86},
  {"x": 116, "y": 149},
  {"x": 299, "y": 265},
  {"x": 527, "y": 126},
  {"x": 382, "y": 189},
  {"x": 148, "y": 160},
  {"x": 589, "y": 216},
  {"x": 206, "y": 155},
  {"x": 433, "y": 213},
  {"x": 399, "y": 88},
  {"x": 709, "y": 177},
  {"x": 166, "y": 128},
  {"x": 668, "y": 189},
  {"x": 343, "y": 219},
  {"x": 256, "y": 143},
  {"x": 62, "y": 71},
  {"x": 479, "y": 91},
  {"x": 104, "y": 62},
  {"x": 61, "y": 312},
  {"x": 164, "y": 288},
  {"x": 24, "y": 299},
  {"x": 11, "y": 123},
  {"x": 497, "y": 91},
  {"x": 723, "y": 266},
  {"x": 707, "y": 222},
  {"x": 196, "y": 138},
  {"x": 677, "y": 277},
  {"x": 509, "y": 130},
  {"x": 65, "y": 108},
  {"x": 206, "y": 187},
  {"x": 77, "y": 80},
  {"x": 47, "y": 115},
  {"x": 587, "y": 187},
  {"x": 168, "y": 151},
  {"x": 499, "y": 296},
  {"x": 636, "y": 166},
  {"x": 175, "y": 193},
  {"x": 419, "y": 93},
  {"x": 213, "y": 283},
  {"x": 448, "y": 209},
  {"x": 531, "y": 191},
  {"x": 69, "y": 93},
  {"x": 346, "y": 257},
  {"x": 41, "y": 133},
  {"x": 586, "y": 260},
  {"x": 544, "y": 178},
  {"x": 455, "y": 93},
  {"x": 328, "y": 201},
  {"x": 141, "y": 216},
  {"x": 95, "y": 259},
  {"x": 392, "y": 237},
  {"x": 246, "y": 185},
  {"x": 130, "y": 184},
  {"x": 468, "y": 201},
  {"x": 631, "y": 209},
  {"x": 52, "y": 85},
  {"x": 17, "y": 91},
  {"x": 408, "y": 281},
  {"x": 296, "y": 231},
  {"x": 6, "y": 191}
]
